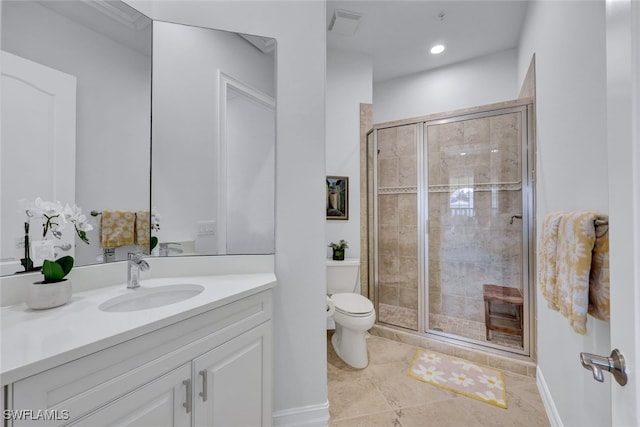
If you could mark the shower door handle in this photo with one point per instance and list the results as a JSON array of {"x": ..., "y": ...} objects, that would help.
[{"x": 519, "y": 216}]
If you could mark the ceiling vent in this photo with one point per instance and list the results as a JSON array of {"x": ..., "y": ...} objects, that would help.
[{"x": 344, "y": 22}]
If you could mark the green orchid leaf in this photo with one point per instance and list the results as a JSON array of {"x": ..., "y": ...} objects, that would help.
[
  {"x": 66, "y": 262},
  {"x": 52, "y": 271}
]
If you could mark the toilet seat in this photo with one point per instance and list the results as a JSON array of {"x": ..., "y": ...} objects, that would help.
[{"x": 352, "y": 304}]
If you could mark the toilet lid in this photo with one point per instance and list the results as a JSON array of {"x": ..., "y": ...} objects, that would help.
[{"x": 352, "y": 303}]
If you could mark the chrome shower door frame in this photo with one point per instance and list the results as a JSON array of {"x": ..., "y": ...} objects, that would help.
[{"x": 528, "y": 237}]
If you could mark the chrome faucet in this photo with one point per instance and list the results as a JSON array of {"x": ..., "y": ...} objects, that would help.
[
  {"x": 165, "y": 249},
  {"x": 135, "y": 263}
]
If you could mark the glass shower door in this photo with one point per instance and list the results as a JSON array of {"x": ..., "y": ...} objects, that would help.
[
  {"x": 476, "y": 212},
  {"x": 394, "y": 185}
]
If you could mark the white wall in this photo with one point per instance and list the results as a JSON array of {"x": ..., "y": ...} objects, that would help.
[
  {"x": 113, "y": 102},
  {"x": 300, "y": 383},
  {"x": 349, "y": 83},
  {"x": 484, "y": 80},
  {"x": 568, "y": 39}
]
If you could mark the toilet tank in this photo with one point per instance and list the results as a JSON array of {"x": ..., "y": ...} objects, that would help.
[{"x": 343, "y": 276}]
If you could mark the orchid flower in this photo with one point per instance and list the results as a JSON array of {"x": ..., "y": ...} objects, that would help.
[
  {"x": 53, "y": 213},
  {"x": 155, "y": 219},
  {"x": 75, "y": 216},
  {"x": 56, "y": 217}
]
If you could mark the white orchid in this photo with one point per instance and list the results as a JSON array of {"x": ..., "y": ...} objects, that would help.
[
  {"x": 75, "y": 216},
  {"x": 155, "y": 219},
  {"x": 56, "y": 217},
  {"x": 53, "y": 213}
]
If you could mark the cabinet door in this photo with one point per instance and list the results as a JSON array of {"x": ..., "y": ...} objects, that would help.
[
  {"x": 233, "y": 382},
  {"x": 159, "y": 403}
]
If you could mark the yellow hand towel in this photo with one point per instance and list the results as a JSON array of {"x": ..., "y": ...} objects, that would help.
[
  {"x": 599, "y": 277},
  {"x": 116, "y": 228},
  {"x": 569, "y": 255},
  {"x": 143, "y": 228}
]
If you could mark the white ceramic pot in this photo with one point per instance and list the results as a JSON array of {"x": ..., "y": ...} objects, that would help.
[{"x": 48, "y": 295}]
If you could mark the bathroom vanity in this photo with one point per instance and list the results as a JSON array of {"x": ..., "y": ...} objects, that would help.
[{"x": 203, "y": 361}]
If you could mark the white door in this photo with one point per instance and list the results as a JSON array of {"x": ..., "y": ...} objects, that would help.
[
  {"x": 38, "y": 149},
  {"x": 233, "y": 384},
  {"x": 623, "y": 138}
]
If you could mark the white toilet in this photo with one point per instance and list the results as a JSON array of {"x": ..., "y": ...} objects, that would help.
[{"x": 353, "y": 314}]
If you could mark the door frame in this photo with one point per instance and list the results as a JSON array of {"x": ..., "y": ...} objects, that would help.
[{"x": 623, "y": 143}]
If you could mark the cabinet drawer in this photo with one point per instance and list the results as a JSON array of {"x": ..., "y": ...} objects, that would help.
[{"x": 82, "y": 385}]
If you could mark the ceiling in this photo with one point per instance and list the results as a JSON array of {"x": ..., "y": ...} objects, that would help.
[{"x": 399, "y": 34}]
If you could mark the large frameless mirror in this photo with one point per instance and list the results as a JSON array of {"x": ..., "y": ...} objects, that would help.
[
  {"x": 213, "y": 157},
  {"x": 77, "y": 101}
]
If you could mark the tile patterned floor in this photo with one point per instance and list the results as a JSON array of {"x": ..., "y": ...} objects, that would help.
[{"x": 382, "y": 395}]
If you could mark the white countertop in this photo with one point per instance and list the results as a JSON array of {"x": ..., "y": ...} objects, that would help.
[{"x": 36, "y": 340}]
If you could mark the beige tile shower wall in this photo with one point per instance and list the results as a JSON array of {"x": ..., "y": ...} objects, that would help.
[
  {"x": 471, "y": 241},
  {"x": 398, "y": 226}
]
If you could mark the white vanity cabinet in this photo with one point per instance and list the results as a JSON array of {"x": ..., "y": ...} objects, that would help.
[
  {"x": 211, "y": 369},
  {"x": 158, "y": 404}
]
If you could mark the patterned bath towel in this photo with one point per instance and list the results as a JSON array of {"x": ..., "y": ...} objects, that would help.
[
  {"x": 574, "y": 266},
  {"x": 116, "y": 228},
  {"x": 599, "y": 277}
]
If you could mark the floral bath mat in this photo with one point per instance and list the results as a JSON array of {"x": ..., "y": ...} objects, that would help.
[{"x": 459, "y": 376}]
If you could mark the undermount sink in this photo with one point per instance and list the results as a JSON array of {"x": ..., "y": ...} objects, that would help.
[{"x": 146, "y": 298}]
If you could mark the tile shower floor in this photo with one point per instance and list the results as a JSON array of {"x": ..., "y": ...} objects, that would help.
[{"x": 383, "y": 395}]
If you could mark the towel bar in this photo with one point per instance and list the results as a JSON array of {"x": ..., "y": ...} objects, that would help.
[
  {"x": 601, "y": 222},
  {"x": 95, "y": 213}
]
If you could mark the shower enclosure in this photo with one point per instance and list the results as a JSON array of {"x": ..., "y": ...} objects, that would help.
[{"x": 450, "y": 202}]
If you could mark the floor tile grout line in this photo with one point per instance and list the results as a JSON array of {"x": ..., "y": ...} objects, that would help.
[{"x": 332, "y": 419}]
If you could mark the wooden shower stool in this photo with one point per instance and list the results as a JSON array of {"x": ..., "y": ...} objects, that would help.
[{"x": 502, "y": 295}]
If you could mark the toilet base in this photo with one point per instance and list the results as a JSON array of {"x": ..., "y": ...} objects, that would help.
[{"x": 351, "y": 346}]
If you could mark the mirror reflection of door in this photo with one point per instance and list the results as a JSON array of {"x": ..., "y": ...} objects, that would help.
[
  {"x": 250, "y": 208},
  {"x": 39, "y": 125}
]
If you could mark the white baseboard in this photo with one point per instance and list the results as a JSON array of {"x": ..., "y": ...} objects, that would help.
[
  {"x": 305, "y": 416},
  {"x": 547, "y": 400}
]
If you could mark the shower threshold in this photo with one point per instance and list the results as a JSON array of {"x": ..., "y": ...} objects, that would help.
[{"x": 488, "y": 356}]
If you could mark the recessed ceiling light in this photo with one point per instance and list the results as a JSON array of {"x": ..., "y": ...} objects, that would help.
[{"x": 437, "y": 49}]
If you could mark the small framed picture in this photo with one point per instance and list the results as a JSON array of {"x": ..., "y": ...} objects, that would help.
[{"x": 338, "y": 197}]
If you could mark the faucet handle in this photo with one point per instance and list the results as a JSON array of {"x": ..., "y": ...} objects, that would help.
[
  {"x": 138, "y": 260},
  {"x": 134, "y": 256}
]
